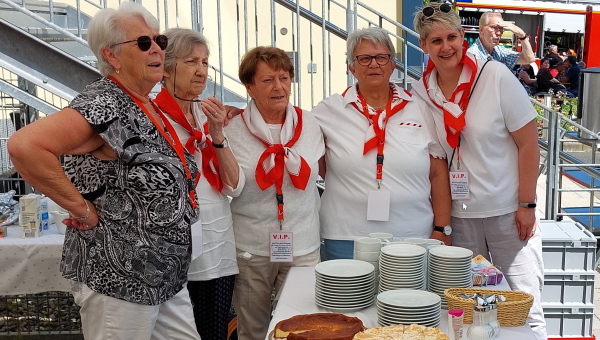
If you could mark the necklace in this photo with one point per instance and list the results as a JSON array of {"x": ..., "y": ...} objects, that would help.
[{"x": 379, "y": 107}]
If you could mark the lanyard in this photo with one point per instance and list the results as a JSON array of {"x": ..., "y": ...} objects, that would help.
[
  {"x": 379, "y": 132},
  {"x": 175, "y": 143}
]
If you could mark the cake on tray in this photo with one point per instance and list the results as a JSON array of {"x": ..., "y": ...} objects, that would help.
[
  {"x": 318, "y": 326},
  {"x": 400, "y": 332}
]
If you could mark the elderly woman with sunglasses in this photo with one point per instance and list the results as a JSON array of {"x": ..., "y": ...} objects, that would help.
[
  {"x": 128, "y": 187},
  {"x": 199, "y": 126},
  {"x": 486, "y": 125},
  {"x": 383, "y": 172}
]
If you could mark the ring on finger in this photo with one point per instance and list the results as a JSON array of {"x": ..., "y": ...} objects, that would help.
[{"x": 215, "y": 114}]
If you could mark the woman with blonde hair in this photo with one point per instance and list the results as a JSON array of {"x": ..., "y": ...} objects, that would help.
[{"x": 486, "y": 125}]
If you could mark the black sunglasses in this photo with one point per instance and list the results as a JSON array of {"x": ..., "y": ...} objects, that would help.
[
  {"x": 145, "y": 42},
  {"x": 429, "y": 10}
]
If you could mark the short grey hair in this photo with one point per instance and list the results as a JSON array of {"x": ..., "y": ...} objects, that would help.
[
  {"x": 553, "y": 48},
  {"x": 485, "y": 18},
  {"x": 109, "y": 27},
  {"x": 376, "y": 35},
  {"x": 423, "y": 25},
  {"x": 181, "y": 44}
]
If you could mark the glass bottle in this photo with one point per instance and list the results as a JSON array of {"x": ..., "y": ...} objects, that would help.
[
  {"x": 494, "y": 318},
  {"x": 480, "y": 329}
]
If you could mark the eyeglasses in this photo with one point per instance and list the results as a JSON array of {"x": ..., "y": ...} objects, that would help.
[
  {"x": 145, "y": 42},
  {"x": 381, "y": 59},
  {"x": 429, "y": 10}
]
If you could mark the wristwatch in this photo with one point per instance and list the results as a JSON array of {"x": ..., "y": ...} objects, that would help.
[
  {"x": 221, "y": 146},
  {"x": 527, "y": 205},
  {"x": 527, "y": 36},
  {"x": 447, "y": 230}
]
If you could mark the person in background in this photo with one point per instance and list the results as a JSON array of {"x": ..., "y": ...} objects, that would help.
[
  {"x": 527, "y": 78},
  {"x": 581, "y": 64},
  {"x": 493, "y": 140},
  {"x": 371, "y": 132},
  {"x": 127, "y": 187},
  {"x": 278, "y": 147},
  {"x": 571, "y": 78},
  {"x": 491, "y": 27},
  {"x": 546, "y": 81},
  {"x": 553, "y": 56},
  {"x": 199, "y": 126}
]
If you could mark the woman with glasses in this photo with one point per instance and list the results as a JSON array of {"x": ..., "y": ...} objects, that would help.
[
  {"x": 382, "y": 170},
  {"x": 486, "y": 125},
  {"x": 199, "y": 126},
  {"x": 128, "y": 187}
]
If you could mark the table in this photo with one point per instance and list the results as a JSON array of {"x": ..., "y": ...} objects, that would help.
[
  {"x": 31, "y": 265},
  {"x": 297, "y": 296}
]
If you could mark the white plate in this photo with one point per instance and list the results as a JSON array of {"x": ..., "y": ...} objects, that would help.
[
  {"x": 344, "y": 268},
  {"x": 399, "y": 319},
  {"x": 343, "y": 303},
  {"x": 412, "y": 310},
  {"x": 344, "y": 290},
  {"x": 406, "y": 298},
  {"x": 403, "y": 250},
  {"x": 388, "y": 322},
  {"x": 347, "y": 308},
  {"x": 350, "y": 283},
  {"x": 451, "y": 252}
]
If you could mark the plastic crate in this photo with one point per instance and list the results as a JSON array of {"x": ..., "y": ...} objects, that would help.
[
  {"x": 567, "y": 246},
  {"x": 568, "y": 287},
  {"x": 569, "y": 320}
]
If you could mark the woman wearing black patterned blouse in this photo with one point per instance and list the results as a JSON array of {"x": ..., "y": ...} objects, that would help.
[{"x": 129, "y": 187}]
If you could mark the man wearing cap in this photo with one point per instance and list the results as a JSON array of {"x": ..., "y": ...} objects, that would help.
[{"x": 491, "y": 27}]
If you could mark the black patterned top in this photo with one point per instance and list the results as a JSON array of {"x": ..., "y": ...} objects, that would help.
[{"x": 140, "y": 251}]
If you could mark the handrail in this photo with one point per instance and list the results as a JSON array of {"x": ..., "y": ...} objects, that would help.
[{"x": 44, "y": 21}]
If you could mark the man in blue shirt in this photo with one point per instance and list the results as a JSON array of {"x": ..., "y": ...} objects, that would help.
[
  {"x": 491, "y": 27},
  {"x": 571, "y": 79}
]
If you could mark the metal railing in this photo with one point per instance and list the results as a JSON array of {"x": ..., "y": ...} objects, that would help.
[
  {"x": 216, "y": 18},
  {"x": 557, "y": 160}
]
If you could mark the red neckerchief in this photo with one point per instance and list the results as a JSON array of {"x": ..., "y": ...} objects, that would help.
[
  {"x": 452, "y": 124},
  {"x": 379, "y": 139},
  {"x": 175, "y": 143},
  {"x": 275, "y": 176},
  {"x": 166, "y": 102}
]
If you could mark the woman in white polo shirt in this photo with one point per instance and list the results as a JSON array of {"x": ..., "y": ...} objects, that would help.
[
  {"x": 382, "y": 170},
  {"x": 486, "y": 124}
]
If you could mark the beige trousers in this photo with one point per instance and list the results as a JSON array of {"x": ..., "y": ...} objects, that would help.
[
  {"x": 520, "y": 261},
  {"x": 253, "y": 287}
]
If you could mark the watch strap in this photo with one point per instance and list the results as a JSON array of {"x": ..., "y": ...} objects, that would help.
[
  {"x": 527, "y": 36},
  {"x": 221, "y": 146},
  {"x": 440, "y": 229},
  {"x": 527, "y": 205}
]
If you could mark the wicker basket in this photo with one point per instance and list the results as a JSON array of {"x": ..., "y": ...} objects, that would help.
[{"x": 511, "y": 313}]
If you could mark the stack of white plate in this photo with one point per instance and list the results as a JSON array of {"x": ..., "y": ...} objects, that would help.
[
  {"x": 344, "y": 285},
  {"x": 449, "y": 267},
  {"x": 407, "y": 307},
  {"x": 402, "y": 266}
]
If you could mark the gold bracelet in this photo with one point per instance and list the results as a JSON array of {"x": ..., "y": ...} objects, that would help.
[{"x": 87, "y": 212}]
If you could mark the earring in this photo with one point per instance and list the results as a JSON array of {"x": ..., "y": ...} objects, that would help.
[{"x": 117, "y": 71}]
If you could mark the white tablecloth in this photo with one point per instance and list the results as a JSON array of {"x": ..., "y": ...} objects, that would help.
[
  {"x": 297, "y": 296},
  {"x": 31, "y": 265}
]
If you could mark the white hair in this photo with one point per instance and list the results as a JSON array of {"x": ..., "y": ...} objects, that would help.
[
  {"x": 109, "y": 27},
  {"x": 374, "y": 34},
  {"x": 181, "y": 44}
]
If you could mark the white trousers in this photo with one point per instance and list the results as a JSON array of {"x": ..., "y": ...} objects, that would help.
[
  {"x": 107, "y": 318},
  {"x": 520, "y": 261}
]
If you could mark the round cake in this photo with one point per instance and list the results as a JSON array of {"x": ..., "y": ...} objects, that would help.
[
  {"x": 400, "y": 332},
  {"x": 318, "y": 326}
]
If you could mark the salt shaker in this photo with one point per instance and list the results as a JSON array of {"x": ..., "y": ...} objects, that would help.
[
  {"x": 494, "y": 318},
  {"x": 480, "y": 329}
]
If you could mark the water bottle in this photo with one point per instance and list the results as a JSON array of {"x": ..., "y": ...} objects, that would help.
[{"x": 45, "y": 217}]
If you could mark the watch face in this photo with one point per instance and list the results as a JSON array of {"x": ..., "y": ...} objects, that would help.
[{"x": 447, "y": 230}]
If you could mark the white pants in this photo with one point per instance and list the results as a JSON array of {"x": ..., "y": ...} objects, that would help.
[
  {"x": 107, "y": 318},
  {"x": 253, "y": 287},
  {"x": 520, "y": 261}
]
